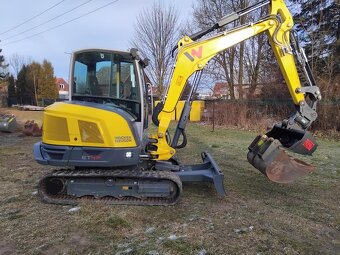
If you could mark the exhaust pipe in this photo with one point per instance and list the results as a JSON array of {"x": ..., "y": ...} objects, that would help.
[{"x": 266, "y": 154}]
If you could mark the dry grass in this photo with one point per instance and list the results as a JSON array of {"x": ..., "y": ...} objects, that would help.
[
  {"x": 258, "y": 115},
  {"x": 257, "y": 217}
]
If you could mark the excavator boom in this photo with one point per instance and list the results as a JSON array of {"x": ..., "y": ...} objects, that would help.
[{"x": 194, "y": 53}]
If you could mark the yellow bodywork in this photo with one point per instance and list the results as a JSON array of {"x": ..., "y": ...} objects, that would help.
[
  {"x": 194, "y": 55},
  {"x": 196, "y": 112},
  {"x": 78, "y": 125}
]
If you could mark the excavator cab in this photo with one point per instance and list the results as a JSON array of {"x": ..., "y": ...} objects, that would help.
[
  {"x": 103, "y": 122},
  {"x": 109, "y": 78}
]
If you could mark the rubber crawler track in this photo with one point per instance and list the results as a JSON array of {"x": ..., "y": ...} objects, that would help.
[{"x": 66, "y": 199}]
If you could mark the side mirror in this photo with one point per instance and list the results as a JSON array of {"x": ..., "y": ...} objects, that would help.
[{"x": 149, "y": 95}]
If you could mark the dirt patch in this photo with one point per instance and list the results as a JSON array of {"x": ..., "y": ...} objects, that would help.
[
  {"x": 6, "y": 249},
  {"x": 10, "y": 138},
  {"x": 23, "y": 116},
  {"x": 74, "y": 243}
]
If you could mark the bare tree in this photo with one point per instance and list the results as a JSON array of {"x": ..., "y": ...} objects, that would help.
[
  {"x": 16, "y": 62},
  {"x": 220, "y": 68},
  {"x": 155, "y": 35},
  {"x": 240, "y": 63}
]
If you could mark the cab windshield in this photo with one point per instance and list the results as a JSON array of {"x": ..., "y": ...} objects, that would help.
[{"x": 106, "y": 78}]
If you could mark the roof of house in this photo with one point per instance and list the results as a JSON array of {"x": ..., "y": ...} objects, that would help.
[
  {"x": 220, "y": 87},
  {"x": 60, "y": 81}
]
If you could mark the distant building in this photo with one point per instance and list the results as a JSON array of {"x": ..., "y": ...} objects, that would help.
[
  {"x": 205, "y": 95},
  {"x": 63, "y": 88},
  {"x": 221, "y": 90}
]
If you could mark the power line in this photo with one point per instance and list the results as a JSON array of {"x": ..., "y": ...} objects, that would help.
[
  {"x": 48, "y": 21},
  {"x": 32, "y": 17},
  {"x": 49, "y": 29}
]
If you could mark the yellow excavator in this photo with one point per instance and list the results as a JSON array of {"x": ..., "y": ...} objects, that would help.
[{"x": 99, "y": 137}]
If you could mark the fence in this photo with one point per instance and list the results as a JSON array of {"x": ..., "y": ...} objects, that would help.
[
  {"x": 197, "y": 108},
  {"x": 260, "y": 114}
]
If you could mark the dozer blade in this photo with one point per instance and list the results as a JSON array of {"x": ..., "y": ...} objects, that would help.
[{"x": 266, "y": 154}]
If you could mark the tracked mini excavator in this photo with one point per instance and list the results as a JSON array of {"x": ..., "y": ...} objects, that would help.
[{"x": 98, "y": 138}]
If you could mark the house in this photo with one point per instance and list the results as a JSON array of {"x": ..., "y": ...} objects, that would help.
[
  {"x": 221, "y": 90},
  {"x": 205, "y": 95},
  {"x": 63, "y": 88}
]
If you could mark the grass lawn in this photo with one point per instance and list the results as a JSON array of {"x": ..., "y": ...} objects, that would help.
[{"x": 256, "y": 217}]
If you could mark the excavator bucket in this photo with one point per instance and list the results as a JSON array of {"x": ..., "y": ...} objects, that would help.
[
  {"x": 8, "y": 123},
  {"x": 286, "y": 169},
  {"x": 266, "y": 154}
]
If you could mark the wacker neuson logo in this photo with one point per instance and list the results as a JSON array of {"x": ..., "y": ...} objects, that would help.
[
  {"x": 123, "y": 139},
  {"x": 194, "y": 53}
]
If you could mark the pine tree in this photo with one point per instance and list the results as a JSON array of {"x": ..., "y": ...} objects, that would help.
[
  {"x": 318, "y": 24},
  {"x": 34, "y": 72},
  {"x": 47, "y": 88},
  {"x": 42, "y": 81},
  {"x": 11, "y": 86},
  {"x": 11, "y": 92},
  {"x": 24, "y": 91},
  {"x": 3, "y": 67}
]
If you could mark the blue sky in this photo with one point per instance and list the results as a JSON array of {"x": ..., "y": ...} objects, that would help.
[{"x": 110, "y": 27}]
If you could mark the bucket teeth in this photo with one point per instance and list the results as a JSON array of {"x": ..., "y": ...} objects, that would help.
[{"x": 266, "y": 155}]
